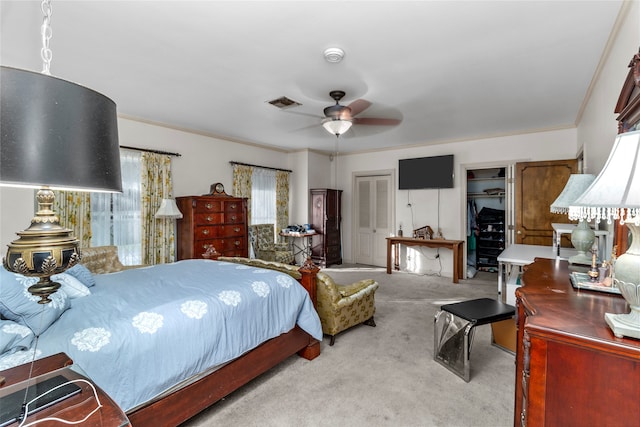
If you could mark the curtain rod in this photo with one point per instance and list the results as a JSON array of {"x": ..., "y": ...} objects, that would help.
[
  {"x": 257, "y": 166},
  {"x": 152, "y": 151}
]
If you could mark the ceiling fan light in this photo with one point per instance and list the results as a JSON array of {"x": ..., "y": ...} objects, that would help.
[{"x": 336, "y": 127}]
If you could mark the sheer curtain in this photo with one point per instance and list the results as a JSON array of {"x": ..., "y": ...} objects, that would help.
[
  {"x": 263, "y": 196},
  {"x": 115, "y": 218}
]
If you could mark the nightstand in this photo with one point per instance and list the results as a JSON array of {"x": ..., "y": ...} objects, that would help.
[{"x": 73, "y": 408}]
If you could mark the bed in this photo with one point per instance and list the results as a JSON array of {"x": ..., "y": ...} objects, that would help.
[{"x": 264, "y": 312}]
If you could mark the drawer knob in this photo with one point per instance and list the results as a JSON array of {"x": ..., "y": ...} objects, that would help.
[
  {"x": 209, "y": 219},
  {"x": 208, "y": 205},
  {"x": 237, "y": 243},
  {"x": 237, "y": 229},
  {"x": 233, "y": 206},
  {"x": 205, "y": 231},
  {"x": 233, "y": 218}
]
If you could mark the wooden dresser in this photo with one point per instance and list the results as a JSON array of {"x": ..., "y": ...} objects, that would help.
[
  {"x": 570, "y": 368},
  {"x": 324, "y": 211},
  {"x": 217, "y": 220}
]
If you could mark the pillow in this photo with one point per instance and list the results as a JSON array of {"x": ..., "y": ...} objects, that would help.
[
  {"x": 83, "y": 274},
  {"x": 73, "y": 287},
  {"x": 17, "y": 304},
  {"x": 14, "y": 337}
]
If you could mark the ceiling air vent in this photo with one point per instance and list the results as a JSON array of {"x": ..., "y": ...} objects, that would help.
[{"x": 284, "y": 102}]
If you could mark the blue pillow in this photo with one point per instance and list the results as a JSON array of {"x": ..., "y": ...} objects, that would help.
[
  {"x": 83, "y": 274},
  {"x": 73, "y": 287},
  {"x": 17, "y": 303},
  {"x": 14, "y": 337}
]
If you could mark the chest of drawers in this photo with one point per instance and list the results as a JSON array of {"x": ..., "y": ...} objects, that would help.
[{"x": 220, "y": 221}]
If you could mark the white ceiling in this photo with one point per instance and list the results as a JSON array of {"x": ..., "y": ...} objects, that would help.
[{"x": 450, "y": 70}]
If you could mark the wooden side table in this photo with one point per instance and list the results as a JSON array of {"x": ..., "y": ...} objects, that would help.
[{"x": 72, "y": 408}]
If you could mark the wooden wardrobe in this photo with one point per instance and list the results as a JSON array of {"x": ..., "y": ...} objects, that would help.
[{"x": 326, "y": 245}]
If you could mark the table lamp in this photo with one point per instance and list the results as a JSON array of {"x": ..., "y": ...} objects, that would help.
[
  {"x": 54, "y": 135},
  {"x": 615, "y": 195},
  {"x": 582, "y": 237}
]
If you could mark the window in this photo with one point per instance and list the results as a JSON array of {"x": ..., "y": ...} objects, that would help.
[
  {"x": 116, "y": 218},
  {"x": 263, "y": 196}
]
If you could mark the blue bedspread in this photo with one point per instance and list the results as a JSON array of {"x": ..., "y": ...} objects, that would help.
[{"x": 141, "y": 331}]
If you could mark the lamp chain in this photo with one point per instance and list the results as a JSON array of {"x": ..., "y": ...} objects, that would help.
[{"x": 45, "y": 31}]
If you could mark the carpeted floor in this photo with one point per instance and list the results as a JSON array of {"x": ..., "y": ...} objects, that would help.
[{"x": 383, "y": 376}]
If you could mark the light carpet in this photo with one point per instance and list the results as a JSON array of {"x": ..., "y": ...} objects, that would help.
[{"x": 383, "y": 376}]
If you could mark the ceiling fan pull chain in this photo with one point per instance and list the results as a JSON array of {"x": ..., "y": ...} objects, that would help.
[{"x": 46, "y": 33}]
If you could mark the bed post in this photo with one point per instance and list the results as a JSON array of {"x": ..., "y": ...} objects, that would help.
[{"x": 309, "y": 271}]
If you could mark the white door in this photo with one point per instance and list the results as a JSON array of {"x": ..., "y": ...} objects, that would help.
[{"x": 373, "y": 219}]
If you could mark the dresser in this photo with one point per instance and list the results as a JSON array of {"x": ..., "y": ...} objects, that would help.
[
  {"x": 324, "y": 211},
  {"x": 217, "y": 220},
  {"x": 570, "y": 368}
]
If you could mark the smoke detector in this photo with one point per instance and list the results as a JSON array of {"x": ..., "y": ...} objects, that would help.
[{"x": 333, "y": 54}]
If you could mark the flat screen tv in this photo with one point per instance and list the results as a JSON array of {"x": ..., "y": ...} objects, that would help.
[{"x": 425, "y": 172}]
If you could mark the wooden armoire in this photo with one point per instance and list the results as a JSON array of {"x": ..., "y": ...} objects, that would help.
[
  {"x": 324, "y": 211},
  {"x": 217, "y": 220}
]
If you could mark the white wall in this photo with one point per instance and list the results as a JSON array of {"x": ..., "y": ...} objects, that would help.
[
  {"x": 598, "y": 126},
  {"x": 205, "y": 160},
  {"x": 559, "y": 144}
]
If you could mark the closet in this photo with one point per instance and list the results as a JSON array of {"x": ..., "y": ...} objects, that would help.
[{"x": 486, "y": 217}]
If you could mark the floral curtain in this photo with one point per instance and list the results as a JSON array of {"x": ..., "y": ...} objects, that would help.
[
  {"x": 242, "y": 184},
  {"x": 282, "y": 200},
  {"x": 158, "y": 235},
  {"x": 74, "y": 210}
]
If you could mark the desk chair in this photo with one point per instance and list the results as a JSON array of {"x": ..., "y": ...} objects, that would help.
[{"x": 454, "y": 327}]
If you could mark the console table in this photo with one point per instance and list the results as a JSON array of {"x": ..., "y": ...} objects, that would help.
[
  {"x": 570, "y": 368},
  {"x": 300, "y": 244},
  {"x": 457, "y": 246}
]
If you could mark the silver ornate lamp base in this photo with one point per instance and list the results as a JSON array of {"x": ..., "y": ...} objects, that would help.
[
  {"x": 627, "y": 279},
  {"x": 624, "y": 324},
  {"x": 582, "y": 238}
]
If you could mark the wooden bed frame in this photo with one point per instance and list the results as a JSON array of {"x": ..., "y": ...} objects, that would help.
[{"x": 190, "y": 400}]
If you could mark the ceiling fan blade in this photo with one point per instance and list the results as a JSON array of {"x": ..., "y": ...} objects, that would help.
[
  {"x": 300, "y": 113},
  {"x": 358, "y": 106},
  {"x": 376, "y": 121}
]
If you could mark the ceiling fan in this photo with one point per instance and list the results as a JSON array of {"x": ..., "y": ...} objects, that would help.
[{"x": 339, "y": 118}]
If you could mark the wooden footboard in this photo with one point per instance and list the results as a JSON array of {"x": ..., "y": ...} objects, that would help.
[{"x": 192, "y": 399}]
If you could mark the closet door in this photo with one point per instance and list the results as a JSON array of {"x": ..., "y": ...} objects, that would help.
[
  {"x": 373, "y": 219},
  {"x": 538, "y": 184}
]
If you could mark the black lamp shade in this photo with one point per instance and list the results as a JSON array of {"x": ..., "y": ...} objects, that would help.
[{"x": 56, "y": 133}]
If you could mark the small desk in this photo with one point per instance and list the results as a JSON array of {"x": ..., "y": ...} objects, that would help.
[
  {"x": 300, "y": 244},
  {"x": 457, "y": 246},
  {"x": 520, "y": 255}
]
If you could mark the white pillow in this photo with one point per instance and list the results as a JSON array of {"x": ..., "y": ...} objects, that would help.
[{"x": 73, "y": 287}]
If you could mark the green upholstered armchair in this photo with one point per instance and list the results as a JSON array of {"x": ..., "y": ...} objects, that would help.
[
  {"x": 343, "y": 306},
  {"x": 264, "y": 245}
]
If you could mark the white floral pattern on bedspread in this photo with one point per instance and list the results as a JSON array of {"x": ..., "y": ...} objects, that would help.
[{"x": 143, "y": 330}]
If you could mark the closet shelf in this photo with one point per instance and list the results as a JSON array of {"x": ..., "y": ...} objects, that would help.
[{"x": 484, "y": 195}]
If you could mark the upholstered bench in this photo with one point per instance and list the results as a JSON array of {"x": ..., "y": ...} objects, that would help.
[{"x": 454, "y": 326}]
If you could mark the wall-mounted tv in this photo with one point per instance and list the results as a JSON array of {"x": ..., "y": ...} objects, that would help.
[{"x": 425, "y": 172}]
